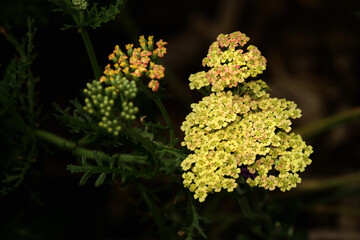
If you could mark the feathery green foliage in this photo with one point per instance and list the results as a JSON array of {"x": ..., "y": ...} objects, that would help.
[
  {"x": 194, "y": 219},
  {"x": 76, "y": 119},
  {"x": 18, "y": 113},
  {"x": 115, "y": 165},
  {"x": 95, "y": 18},
  {"x": 92, "y": 17}
]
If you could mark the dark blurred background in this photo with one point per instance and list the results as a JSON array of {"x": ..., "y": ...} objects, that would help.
[{"x": 312, "y": 49}]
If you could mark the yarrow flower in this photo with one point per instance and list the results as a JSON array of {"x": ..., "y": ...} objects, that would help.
[
  {"x": 111, "y": 98},
  {"x": 243, "y": 132},
  {"x": 229, "y": 63},
  {"x": 137, "y": 63}
]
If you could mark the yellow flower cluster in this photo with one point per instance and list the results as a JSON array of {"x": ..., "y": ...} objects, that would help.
[
  {"x": 137, "y": 62},
  {"x": 243, "y": 132},
  {"x": 229, "y": 64}
]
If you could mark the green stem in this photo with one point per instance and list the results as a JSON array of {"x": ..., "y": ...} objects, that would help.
[
  {"x": 328, "y": 123},
  {"x": 91, "y": 53},
  {"x": 165, "y": 115},
  {"x": 174, "y": 151},
  {"x": 195, "y": 219},
  {"x": 76, "y": 150},
  {"x": 167, "y": 120},
  {"x": 31, "y": 100},
  {"x": 79, "y": 17},
  {"x": 244, "y": 203},
  {"x": 87, "y": 140}
]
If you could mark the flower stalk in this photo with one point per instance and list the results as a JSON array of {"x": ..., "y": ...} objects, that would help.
[
  {"x": 88, "y": 45},
  {"x": 80, "y": 151},
  {"x": 91, "y": 53},
  {"x": 165, "y": 114}
]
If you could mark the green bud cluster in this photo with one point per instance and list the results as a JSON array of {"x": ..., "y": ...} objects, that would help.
[
  {"x": 111, "y": 125},
  {"x": 129, "y": 111},
  {"x": 104, "y": 102},
  {"x": 100, "y": 101},
  {"x": 94, "y": 94},
  {"x": 127, "y": 88},
  {"x": 127, "y": 91}
]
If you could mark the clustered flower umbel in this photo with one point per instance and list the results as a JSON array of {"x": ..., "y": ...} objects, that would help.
[
  {"x": 239, "y": 130},
  {"x": 111, "y": 98},
  {"x": 231, "y": 66},
  {"x": 137, "y": 62}
]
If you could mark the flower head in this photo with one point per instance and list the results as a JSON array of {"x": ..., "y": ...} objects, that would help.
[
  {"x": 229, "y": 64},
  {"x": 161, "y": 50},
  {"x": 138, "y": 62},
  {"x": 154, "y": 85},
  {"x": 243, "y": 132}
]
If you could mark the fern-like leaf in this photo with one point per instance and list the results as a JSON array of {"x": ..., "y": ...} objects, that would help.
[
  {"x": 76, "y": 120},
  {"x": 194, "y": 220},
  {"x": 95, "y": 18},
  {"x": 84, "y": 177},
  {"x": 17, "y": 114},
  {"x": 119, "y": 164},
  {"x": 100, "y": 179}
]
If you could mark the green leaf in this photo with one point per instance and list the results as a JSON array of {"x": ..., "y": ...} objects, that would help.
[
  {"x": 85, "y": 178},
  {"x": 11, "y": 178},
  {"x": 147, "y": 135},
  {"x": 119, "y": 164},
  {"x": 98, "y": 159},
  {"x": 83, "y": 161},
  {"x": 100, "y": 180},
  {"x": 123, "y": 178},
  {"x": 76, "y": 120},
  {"x": 112, "y": 162},
  {"x": 94, "y": 17},
  {"x": 194, "y": 218}
]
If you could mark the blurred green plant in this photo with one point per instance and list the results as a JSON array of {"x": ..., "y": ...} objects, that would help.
[{"x": 18, "y": 114}]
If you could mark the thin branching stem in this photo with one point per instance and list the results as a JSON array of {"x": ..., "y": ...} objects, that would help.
[
  {"x": 153, "y": 208},
  {"x": 91, "y": 53},
  {"x": 79, "y": 19},
  {"x": 165, "y": 114},
  {"x": 195, "y": 218},
  {"x": 89, "y": 46},
  {"x": 252, "y": 209},
  {"x": 87, "y": 140}
]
